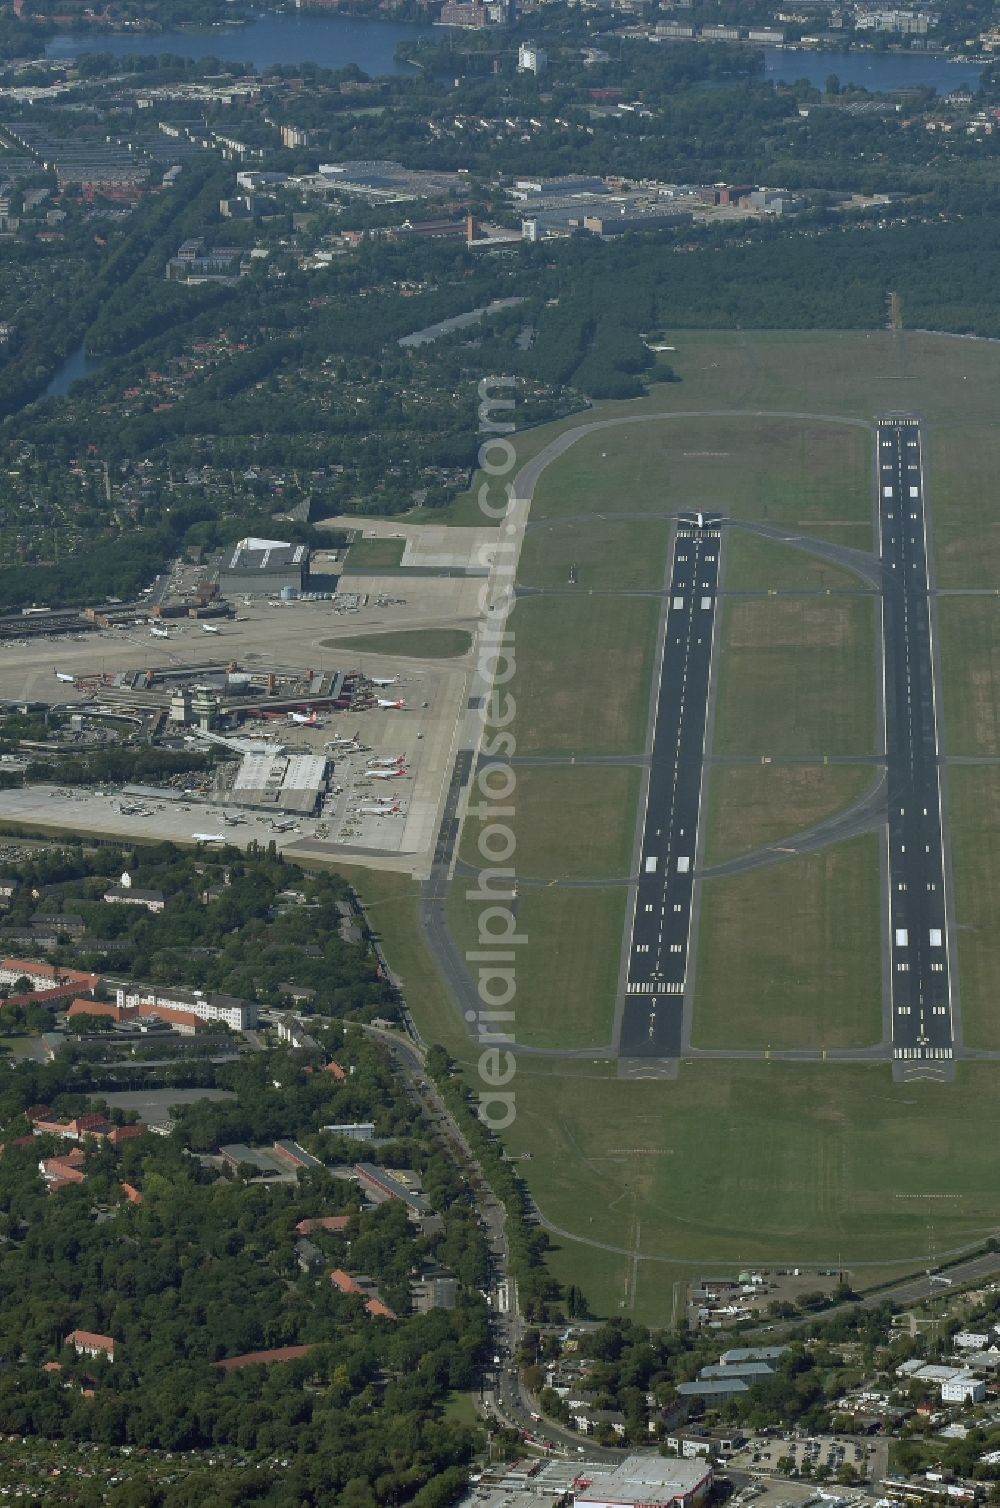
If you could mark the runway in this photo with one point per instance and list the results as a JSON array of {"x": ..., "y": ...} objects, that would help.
[
  {"x": 662, "y": 909},
  {"x": 923, "y": 1031}
]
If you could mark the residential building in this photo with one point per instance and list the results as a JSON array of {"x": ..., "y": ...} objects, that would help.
[
  {"x": 381, "y": 1184},
  {"x": 125, "y": 894},
  {"x": 531, "y": 59},
  {"x": 47, "y": 977},
  {"x": 964, "y": 1387},
  {"x": 239, "y": 1015},
  {"x": 335, "y": 1224},
  {"x": 86, "y": 1343}
]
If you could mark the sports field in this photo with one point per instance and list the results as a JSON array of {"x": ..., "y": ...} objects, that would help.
[{"x": 756, "y": 1160}]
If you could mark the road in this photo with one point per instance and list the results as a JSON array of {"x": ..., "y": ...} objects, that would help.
[
  {"x": 920, "y": 963},
  {"x": 662, "y": 905},
  {"x": 503, "y": 1394}
]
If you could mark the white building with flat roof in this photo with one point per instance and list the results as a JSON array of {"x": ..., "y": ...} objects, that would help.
[{"x": 649, "y": 1482}]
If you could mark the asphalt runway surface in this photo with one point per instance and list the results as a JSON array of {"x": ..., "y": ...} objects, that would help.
[
  {"x": 920, "y": 972},
  {"x": 661, "y": 919}
]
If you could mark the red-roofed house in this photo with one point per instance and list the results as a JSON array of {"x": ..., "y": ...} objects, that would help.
[
  {"x": 86, "y": 1343},
  {"x": 131, "y": 1193},
  {"x": 343, "y": 1280},
  {"x": 47, "y": 976},
  {"x": 378, "y": 1310},
  {"x": 262, "y": 1358},
  {"x": 335, "y": 1069},
  {"x": 336, "y": 1223}
]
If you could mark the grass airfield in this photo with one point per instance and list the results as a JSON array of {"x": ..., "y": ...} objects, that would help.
[{"x": 748, "y": 1160}]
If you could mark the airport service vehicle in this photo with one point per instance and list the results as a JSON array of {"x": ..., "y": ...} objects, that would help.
[
  {"x": 70, "y": 680},
  {"x": 158, "y": 633},
  {"x": 209, "y": 628}
]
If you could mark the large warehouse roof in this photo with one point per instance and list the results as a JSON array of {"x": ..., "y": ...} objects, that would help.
[
  {"x": 281, "y": 782},
  {"x": 252, "y": 554}
]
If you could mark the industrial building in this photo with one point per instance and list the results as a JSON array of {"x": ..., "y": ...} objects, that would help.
[
  {"x": 273, "y": 782},
  {"x": 651, "y": 1481},
  {"x": 263, "y": 568}
]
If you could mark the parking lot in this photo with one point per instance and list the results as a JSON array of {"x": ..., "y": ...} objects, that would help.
[{"x": 831, "y": 1451}]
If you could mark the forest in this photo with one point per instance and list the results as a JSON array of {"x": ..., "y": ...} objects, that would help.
[{"x": 205, "y": 1266}]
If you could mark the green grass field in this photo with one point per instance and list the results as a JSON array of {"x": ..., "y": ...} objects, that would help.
[
  {"x": 416, "y": 643},
  {"x": 783, "y": 471},
  {"x": 964, "y": 463},
  {"x": 974, "y": 804},
  {"x": 570, "y": 822},
  {"x": 603, "y": 554},
  {"x": 752, "y": 564},
  {"x": 789, "y": 954},
  {"x": 565, "y": 993},
  {"x": 745, "y": 1162},
  {"x": 764, "y": 1161},
  {"x": 970, "y": 664},
  {"x": 750, "y": 805},
  {"x": 584, "y": 673},
  {"x": 366, "y": 555},
  {"x": 796, "y": 676}
]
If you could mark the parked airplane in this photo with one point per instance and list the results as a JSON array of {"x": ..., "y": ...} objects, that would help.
[
  {"x": 160, "y": 633},
  {"x": 61, "y": 675},
  {"x": 300, "y": 717},
  {"x": 282, "y": 827},
  {"x": 395, "y": 774},
  {"x": 386, "y": 761},
  {"x": 381, "y": 811},
  {"x": 399, "y": 706},
  {"x": 389, "y": 680},
  {"x": 208, "y": 837}
]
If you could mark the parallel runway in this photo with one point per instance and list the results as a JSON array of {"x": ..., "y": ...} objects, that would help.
[
  {"x": 920, "y": 965},
  {"x": 661, "y": 919}
]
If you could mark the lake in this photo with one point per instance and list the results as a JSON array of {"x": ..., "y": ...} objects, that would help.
[
  {"x": 876, "y": 71},
  {"x": 329, "y": 41},
  {"x": 77, "y": 364},
  {"x": 74, "y": 367},
  {"x": 336, "y": 41}
]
